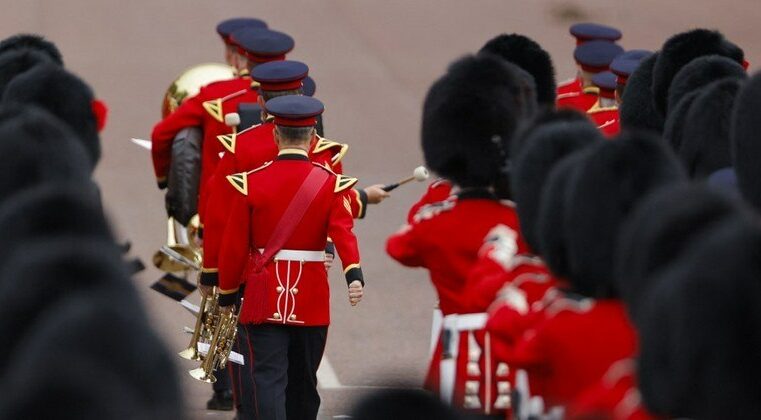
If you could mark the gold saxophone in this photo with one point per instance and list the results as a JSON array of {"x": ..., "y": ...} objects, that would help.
[{"x": 225, "y": 330}]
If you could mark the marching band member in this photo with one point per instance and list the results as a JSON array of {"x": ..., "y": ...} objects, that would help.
[
  {"x": 583, "y": 33},
  {"x": 274, "y": 243},
  {"x": 592, "y": 57}
]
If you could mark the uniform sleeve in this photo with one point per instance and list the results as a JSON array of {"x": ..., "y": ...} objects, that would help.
[
  {"x": 358, "y": 199},
  {"x": 530, "y": 351},
  {"x": 402, "y": 246},
  {"x": 437, "y": 191},
  {"x": 219, "y": 196},
  {"x": 234, "y": 249},
  {"x": 340, "y": 231},
  {"x": 189, "y": 114}
]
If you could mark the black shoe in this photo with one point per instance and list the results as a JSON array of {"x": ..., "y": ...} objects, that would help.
[{"x": 222, "y": 401}]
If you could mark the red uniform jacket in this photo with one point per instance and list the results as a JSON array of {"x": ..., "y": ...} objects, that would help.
[
  {"x": 581, "y": 101},
  {"x": 295, "y": 292},
  {"x": 569, "y": 86},
  {"x": 573, "y": 347},
  {"x": 615, "y": 396},
  {"x": 606, "y": 119},
  {"x": 205, "y": 110},
  {"x": 246, "y": 151},
  {"x": 445, "y": 239},
  {"x": 438, "y": 191}
]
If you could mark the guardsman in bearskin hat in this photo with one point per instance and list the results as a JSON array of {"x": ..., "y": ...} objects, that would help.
[
  {"x": 746, "y": 148},
  {"x": 274, "y": 244},
  {"x": 680, "y": 50},
  {"x": 66, "y": 96},
  {"x": 585, "y": 32},
  {"x": 592, "y": 57},
  {"x": 637, "y": 109},
  {"x": 214, "y": 101},
  {"x": 660, "y": 230},
  {"x": 518, "y": 281},
  {"x": 700, "y": 331},
  {"x": 587, "y": 330},
  {"x": 689, "y": 83},
  {"x": 525, "y": 53},
  {"x": 469, "y": 117}
]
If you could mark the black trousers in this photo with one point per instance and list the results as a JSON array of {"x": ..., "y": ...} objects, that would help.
[{"x": 279, "y": 381}]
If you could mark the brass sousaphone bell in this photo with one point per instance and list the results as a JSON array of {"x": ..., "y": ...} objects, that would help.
[{"x": 190, "y": 82}]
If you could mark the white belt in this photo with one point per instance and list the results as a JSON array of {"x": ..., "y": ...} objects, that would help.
[
  {"x": 299, "y": 255},
  {"x": 465, "y": 322}
]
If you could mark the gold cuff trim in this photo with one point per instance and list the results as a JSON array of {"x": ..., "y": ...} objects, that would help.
[
  {"x": 228, "y": 291},
  {"x": 209, "y": 270},
  {"x": 349, "y": 267}
]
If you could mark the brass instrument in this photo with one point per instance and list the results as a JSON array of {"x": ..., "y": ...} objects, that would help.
[
  {"x": 179, "y": 253},
  {"x": 225, "y": 331},
  {"x": 205, "y": 321},
  {"x": 190, "y": 82}
]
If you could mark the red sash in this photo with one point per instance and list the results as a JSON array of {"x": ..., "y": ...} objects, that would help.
[{"x": 256, "y": 274}]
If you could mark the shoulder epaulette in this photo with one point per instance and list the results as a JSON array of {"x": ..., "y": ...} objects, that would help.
[
  {"x": 239, "y": 182},
  {"x": 228, "y": 140},
  {"x": 214, "y": 106},
  {"x": 324, "y": 166},
  {"x": 325, "y": 144},
  {"x": 597, "y": 108},
  {"x": 429, "y": 211},
  {"x": 344, "y": 182}
]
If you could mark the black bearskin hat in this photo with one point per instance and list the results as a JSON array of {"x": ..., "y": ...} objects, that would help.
[
  {"x": 745, "y": 135},
  {"x": 705, "y": 146},
  {"x": 637, "y": 110},
  {"x": 609, "y": 182},
  {"x": 682, "y": 48},
  {"x": 38, "y": 149},
  {"x": 701, "y": 333},
  {"x": 16, "y": 62},
  {"x": 544, "y": 147},
  {"x": 525, "y": 53},
  {"x": 62, "y": 94},
  {"x": 32, "y": 42},
  {"x": 469, "y": 117},
  {"x": 552, "y": 240},
  {"x": 701, "y": 72},
  {"x": 659, "y": 230}
]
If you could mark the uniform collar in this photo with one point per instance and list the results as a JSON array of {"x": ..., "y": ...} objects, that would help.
[
  {"x": 476, "y": 193},
  {"x": 293, "y": 154}
]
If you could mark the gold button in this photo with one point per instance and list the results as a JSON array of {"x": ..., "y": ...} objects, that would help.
[
  {"x": 279, "y": 289},
  {"x": 292, "y": 317},
  {"x": 294, "y": 290},
  {"x": 276, "y": 315}
]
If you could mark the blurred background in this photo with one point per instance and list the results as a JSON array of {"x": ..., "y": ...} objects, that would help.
[{"x": 373, "y": 62}]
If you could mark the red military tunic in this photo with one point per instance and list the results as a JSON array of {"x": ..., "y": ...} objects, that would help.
[
  {"x": 437, "y": 241},
  {"x": 292, "y": 292},
  {"x": 615, "y": 396},
  {"x": 205, "y": 110},
  {"x": 606, "y": 119},
  {"x": 581, "y": 101},
  {"x": 572, "y": 348},
  {"x": 246, "y": 151}
]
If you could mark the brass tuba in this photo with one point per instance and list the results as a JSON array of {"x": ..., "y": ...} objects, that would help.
[
  {"x": 190, "y": 82},
  {"x": 220, "y": 347}
]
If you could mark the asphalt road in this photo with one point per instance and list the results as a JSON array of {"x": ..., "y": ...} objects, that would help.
[{"x": 373, "y": 62}]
